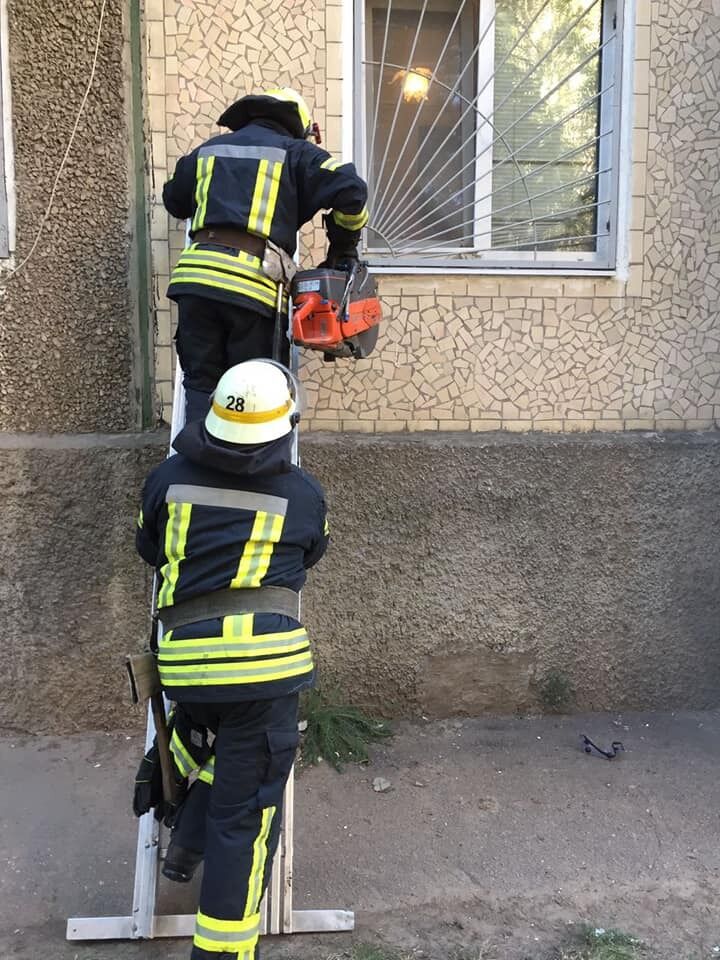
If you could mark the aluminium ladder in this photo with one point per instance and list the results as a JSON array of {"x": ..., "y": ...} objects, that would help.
[{"x": 277, "y": 913}]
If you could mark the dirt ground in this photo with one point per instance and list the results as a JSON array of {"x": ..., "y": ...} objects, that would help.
[{"x": 496, "y": 839}]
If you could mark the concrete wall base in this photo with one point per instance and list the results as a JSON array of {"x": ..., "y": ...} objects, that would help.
[{"x": 465, "y": 572}]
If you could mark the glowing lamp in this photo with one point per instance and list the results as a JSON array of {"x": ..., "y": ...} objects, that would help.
[{"x": 415, "y": 83}]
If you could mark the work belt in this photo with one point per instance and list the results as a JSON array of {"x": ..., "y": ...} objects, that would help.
[
  {"x": 229, "y": 237},
  {"x": 277, "y": 263},
  {"x": 231, "y": 603}
]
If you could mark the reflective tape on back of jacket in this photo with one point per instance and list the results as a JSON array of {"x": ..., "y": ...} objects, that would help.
[
  {"x": 205, "y": 529},
  {"x": 263, "y": 181}
]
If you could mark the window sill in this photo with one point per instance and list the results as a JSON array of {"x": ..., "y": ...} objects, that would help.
[{"x": 547, "y": 273}]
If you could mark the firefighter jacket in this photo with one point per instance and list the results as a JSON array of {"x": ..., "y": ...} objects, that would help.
[
  {"x": 215, "y": 517},
  {"x": 263, "y": 181}
]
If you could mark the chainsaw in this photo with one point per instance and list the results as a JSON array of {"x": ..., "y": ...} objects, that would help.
[{"x": 336, "y": 312}]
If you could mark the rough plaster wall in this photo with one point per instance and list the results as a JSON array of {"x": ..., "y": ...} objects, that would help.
[
  {"x": 461, "y": 570},
  {"x": 66, "y": 318},
  {"x": 517, "y": 353},
  {"x": 75, "y": 597}
]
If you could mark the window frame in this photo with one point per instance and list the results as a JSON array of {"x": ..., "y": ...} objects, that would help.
[{"x": 611, "y": 256}]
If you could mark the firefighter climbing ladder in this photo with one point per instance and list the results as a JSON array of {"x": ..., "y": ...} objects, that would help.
[{"x": 277, "y": 911}]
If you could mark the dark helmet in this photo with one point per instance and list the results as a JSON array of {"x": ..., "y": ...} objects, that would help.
[{"x": 282, "y": 104}]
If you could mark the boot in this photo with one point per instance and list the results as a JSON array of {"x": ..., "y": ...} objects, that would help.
[{"x": 180, "y": 863}]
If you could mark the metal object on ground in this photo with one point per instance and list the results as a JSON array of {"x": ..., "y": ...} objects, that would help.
[{"x": 615, "y": 748}]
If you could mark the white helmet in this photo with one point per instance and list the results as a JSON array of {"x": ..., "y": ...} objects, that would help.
[{"x": 254, "y": 402}]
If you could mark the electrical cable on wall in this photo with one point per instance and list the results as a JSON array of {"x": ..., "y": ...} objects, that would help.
[{"x": 11, "y": 273}]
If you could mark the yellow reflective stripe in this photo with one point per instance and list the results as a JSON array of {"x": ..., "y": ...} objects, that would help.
[
  {"x": 351, "y": 221},
  {"x": 224, "y": 650},
  {"x": 257, "y": 200},
  {"x": 248, "y": 288},
  {"x": 326, "y": 528},
  {"x": 251, "y": 416},
  {"x": 256, "y": 556},
  {"x": 204, "y": 174},
  {"x": 230, "y": 638},
  {"x": 275, "y": 174},
  {"x": 227, "y": 936},
  {"x": 260, "y": 851},
  {"x": 331, "y": 164},
  {"x": 140, "y": 520},
  {"x": 191, "y": 261},
  {"x": 176, "y": 533},
  {"x": 267, "y": 185},
  {"x": 207, "y": 773},
  {"x": 245, "y": 925},
  {"x": 183, "y": 760},
  {"x": 224, "y": 674}
]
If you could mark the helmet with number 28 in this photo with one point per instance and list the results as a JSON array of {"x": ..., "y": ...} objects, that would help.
[{"x": 254, "y": 402}]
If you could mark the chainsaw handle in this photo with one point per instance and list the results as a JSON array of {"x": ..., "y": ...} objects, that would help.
[{"x": 302, "y": 312}]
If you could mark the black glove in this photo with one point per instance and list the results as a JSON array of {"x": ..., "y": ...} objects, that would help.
[
  {"x": 342, "y": 251},
  {"x": 148, "y": 784},
  {"x": 149, "y": 793}
]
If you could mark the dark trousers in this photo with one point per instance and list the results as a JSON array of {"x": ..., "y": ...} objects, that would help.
[
  {"x": 212, "y": 336},
  {"x": 236, "y": 819}
]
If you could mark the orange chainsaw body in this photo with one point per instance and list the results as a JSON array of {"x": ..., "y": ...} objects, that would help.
[{"x": 336, "y": 312}]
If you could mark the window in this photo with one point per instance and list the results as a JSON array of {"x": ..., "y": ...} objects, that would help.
[{"x": 488, "y": 131}]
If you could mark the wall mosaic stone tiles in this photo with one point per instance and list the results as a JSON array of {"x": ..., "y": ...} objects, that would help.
[{"x": 486, "y": 352}]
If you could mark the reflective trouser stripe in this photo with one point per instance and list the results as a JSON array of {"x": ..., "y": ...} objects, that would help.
[
  {"x": 140, "y": 519},
  {"x": 204, "y": 276},
  {"x": 227, "y": 936},
  {"x": 183, "y": 761},
  {"x": 176, "y": 533},
  {"x": 258, "y": 550},
  {"x": 203, "y": 176},
  {"x": 351, "y": 221},
  {"x": 260, "y": 851}
]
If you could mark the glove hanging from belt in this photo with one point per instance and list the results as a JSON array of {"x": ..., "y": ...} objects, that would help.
[{"x": 190, "y": 748}]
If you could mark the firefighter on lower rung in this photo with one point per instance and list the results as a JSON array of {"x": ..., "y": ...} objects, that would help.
[
  {"x": 231, "y": 526},
  {"x": 247, "y": 193}
]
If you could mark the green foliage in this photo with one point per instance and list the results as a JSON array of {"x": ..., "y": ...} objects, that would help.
[
  {"x": 556, "y": 691},
  {"x": 602, "y": 944},
  {"x": 338, "y": 733}
]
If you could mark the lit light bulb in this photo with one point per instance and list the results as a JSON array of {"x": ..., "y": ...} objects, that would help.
[{"x": 416, "y": 83}]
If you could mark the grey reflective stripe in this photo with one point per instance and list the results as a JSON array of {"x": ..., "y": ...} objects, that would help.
[
  {"x": 226, "y": 936},
  {"x": 256, "y": 672},
  {"x": 239, "y": 152},
  {"x": 219, "y": 497},
  {"x": 232, "y": 648}
]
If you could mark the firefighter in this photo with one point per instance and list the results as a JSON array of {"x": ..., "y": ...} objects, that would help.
[
  {"x": 231, "y": 527},
  {"x": 247, "y": 193}
]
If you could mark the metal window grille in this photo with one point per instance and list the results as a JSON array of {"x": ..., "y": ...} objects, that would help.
[{"x": 488, "y": 131}]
